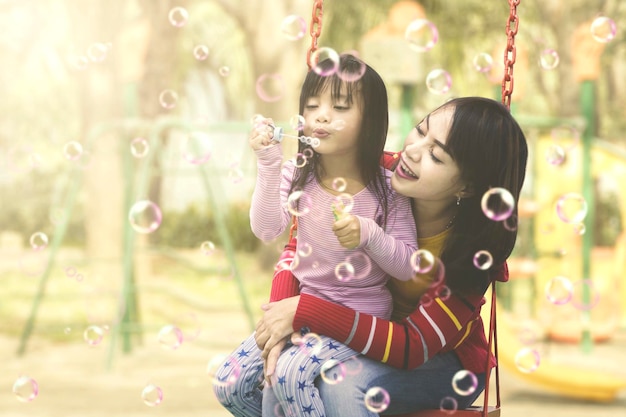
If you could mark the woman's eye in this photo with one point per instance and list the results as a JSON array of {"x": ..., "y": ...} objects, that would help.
[
  {"x": 419, "y": 130},
  {"x": 434, "y": 158}
]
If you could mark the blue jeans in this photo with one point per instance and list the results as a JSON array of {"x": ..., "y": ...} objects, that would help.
[{"x": 409, "y": 390}]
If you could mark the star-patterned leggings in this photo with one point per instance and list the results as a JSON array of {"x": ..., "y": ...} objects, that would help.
[{"x": 293, "y": 388}]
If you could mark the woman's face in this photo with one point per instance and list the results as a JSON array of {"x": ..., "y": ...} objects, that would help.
[{"x": 426, "y": 170}]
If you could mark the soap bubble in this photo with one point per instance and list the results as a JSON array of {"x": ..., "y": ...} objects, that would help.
[
  {"x": 332, "y": 372},
  {"x": 270, "y": 87},
  {"x": 571, "y": 208},
  {"x": 438, "y": 81},
  {"x": 603, "y": 29},
  {"x": 483, "y": 259},
  {"x": 422, "y": 35},
  {"x": 93, "y": 335},
  {"x": 324, "y": 61},
  {"x": 170, "y": 337},
  {"x": 482, "y": 62},
  {"x": 377, "y": 399},
  {"x": 139, "y": 147},
  {"x": 299, "y": 203},
  {"x": 152, "y": 395},
  {"x": 201, "y": 52},
  {"x": 145, "y": 216},
  {"x": 293, "y": 27},
  {"x": 464, "y": 382},
  {"x": 422, "y": 261},
  {"x": 497, "y": 203},
  {"x": 549, "y": 59},
  {"x": 38, "y": 241},
  {"x": 168, "y": 99},
  {"x": 25, "y": 389},
  {"x": 555, "y": 154},
  {"x": 527, "y": 360},
  {"x": 178, "y": 17},
  {"x": 559, "y": 290}
]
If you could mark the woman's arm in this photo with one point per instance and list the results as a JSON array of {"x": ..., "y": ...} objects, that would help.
[{"x": 441, "y": 324}]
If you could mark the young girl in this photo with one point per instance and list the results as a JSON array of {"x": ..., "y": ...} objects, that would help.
[{"x": 346, "y": 259}]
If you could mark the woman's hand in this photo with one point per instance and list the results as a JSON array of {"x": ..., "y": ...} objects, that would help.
[{"x": 276, "y": 323}]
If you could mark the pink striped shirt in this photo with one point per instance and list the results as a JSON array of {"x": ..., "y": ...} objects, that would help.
[{"x": 380, "y": 255}]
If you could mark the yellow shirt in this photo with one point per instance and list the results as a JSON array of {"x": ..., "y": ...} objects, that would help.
[{"x": 406, "y": 294}]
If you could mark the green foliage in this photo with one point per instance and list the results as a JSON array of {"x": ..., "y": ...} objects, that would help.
[{"x": 191, "y": 227}]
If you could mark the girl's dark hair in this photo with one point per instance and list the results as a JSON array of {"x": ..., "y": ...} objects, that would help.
[
  {"x": 363, "y": 83},
  {"x": 490, "y": 149}
]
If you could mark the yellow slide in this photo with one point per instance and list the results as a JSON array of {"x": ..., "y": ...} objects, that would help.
[{"x": 567, "y": 380}]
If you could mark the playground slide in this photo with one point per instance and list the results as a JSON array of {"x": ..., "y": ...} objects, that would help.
[{"x": 567, "y": 380}]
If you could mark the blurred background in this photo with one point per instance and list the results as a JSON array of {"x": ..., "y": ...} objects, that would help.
[{"x": 127, "y": 264}]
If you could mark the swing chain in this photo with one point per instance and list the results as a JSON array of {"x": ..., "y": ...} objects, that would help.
[
  {"x": 316, "y": 29},
  {"x": 510, "y": 53}
]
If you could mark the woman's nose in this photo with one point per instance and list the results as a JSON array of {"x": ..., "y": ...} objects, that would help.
[{"x": 412, "y": 151}]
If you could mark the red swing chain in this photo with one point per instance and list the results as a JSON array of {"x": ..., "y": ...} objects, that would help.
[
  {"x": 315, "y": 29},
  {"x": 509, "y": 54}
]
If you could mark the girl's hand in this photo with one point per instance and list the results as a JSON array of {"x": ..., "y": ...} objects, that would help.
[
  {"x": 262, "y": 134},
  {"x": 276, "y": 323},
  {"x": 348, "y": 231}
]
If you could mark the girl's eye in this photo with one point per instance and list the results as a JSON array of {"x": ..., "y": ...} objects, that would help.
[
  {"x": 340, "y": 107},
  {"x": 433, "y": 157},
  {"x": 310, "y": 106}
]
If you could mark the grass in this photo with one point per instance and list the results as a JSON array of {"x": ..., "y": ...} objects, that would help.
[{"x": 177, "y": 287}]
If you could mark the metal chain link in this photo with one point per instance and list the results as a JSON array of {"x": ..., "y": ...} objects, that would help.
[
  {"x": 315, "y": 29},
  {"x": 510, "y": 53}
]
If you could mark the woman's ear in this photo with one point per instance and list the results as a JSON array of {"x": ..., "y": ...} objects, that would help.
[{"x": 466, "y": 191}]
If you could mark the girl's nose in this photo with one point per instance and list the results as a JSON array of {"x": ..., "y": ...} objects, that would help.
[{"x": 322, "y": 115}]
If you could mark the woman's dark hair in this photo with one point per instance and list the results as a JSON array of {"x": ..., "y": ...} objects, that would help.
[
  {"x": 490, "y": 150},
  {"x": 363, "y": 83}
]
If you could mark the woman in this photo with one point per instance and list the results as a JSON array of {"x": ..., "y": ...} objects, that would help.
[{"x": 450, "y": 160}]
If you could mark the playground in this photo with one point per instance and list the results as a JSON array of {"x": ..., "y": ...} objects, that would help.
[{"x": 127, "y": 263}]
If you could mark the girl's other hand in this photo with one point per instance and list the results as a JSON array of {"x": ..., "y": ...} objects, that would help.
[
  {"x": 348, "y": 231},
  {"x": 262, "y": 134}
]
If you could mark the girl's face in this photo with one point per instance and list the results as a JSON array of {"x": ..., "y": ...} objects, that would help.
[
  {"x": 336, "y": 122},
  {"x": 426, "y": 170}
]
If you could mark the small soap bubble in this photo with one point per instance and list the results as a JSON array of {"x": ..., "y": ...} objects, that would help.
[
  {"x": 300, "y": 160},
  {"x": 353, "y": 365},
  {"x": 579, "y": 228},
  {"x": 344, "y": 271},
  {"x": 224, "y": 370},
  {"x": 168, "y": 99},
  {"x": 497, "y": 204},
  {"x": 304, "y": 249},
  {"x": 293, "y": 27},
  {"x": 549, "y": 59},
  {"x": 235, "y": 175},
  {"x": 339, "y": 184},
  {"x": 362, "y": 264},
  {"x": 299, "y": 203},
  {"x": 342, "y": 204},
  {"x": 25, "y": 389},
  {"x": 93, "y": 335},
  {"x": 145, "y": 216},
  {"x": 324, "y": 61},
  {"x": 197, "y": 147},
  {"x": 350, "y": 75},
  {"x": 201, "y": 52},
  {"x": 308, "y": 153},
  {"x": 139, "y": 147},
  {"x": 73, "y": 150},
  {"x": 70, "y": 271},
  {"x": 152, "y": 395},
  {"x": 555, "y": 154},
  {"x": 448, "y": 405},
  {"x": 67, "y": 330},
  {"x": 527, "y": 360},
  {"x": 482, "y": 62},
  {"x": 585, "y": 295},
  {"x": 270, "y": 87},
  {"x": 38, "y": 240},
  {"x": 297, "y": 122},
  {"x": 422, "y": 35},
  {"x": 464, "y": 382},
  {"x": 571, "y": 208},
  {"x": 207, "y": 247},
  {"x": 603, "y": 29},
  {"x": 178, "y": 17},
  {"x": 422, "y": 261},
  {"x": 309, "y": 344},
  {"x": 332, "y": 372},
  {"x": 376, "y": 399},
  {"x": 559, "y": 290},
  {"x": 483, "y": 259},
  {"x": 170, "y": 337},
  {"x": 97, "y": 52},
  {"x": 224, "y": 71},
  {"x": 438, "y": 81},
  {"x": 443, "y": 292}
]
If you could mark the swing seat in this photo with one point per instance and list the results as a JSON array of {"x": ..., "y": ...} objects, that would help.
[{"x": 473, "y": 411}]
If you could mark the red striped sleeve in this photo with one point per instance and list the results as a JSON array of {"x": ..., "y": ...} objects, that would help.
[{"x": 434, "y": 326}]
